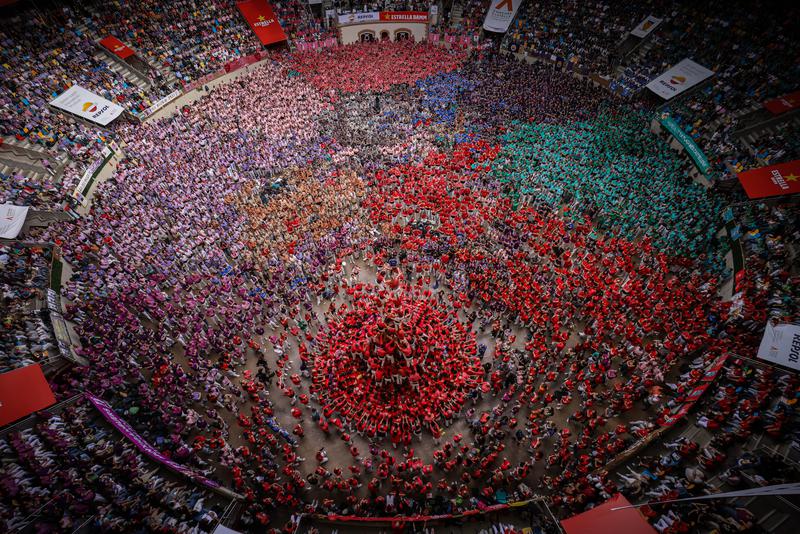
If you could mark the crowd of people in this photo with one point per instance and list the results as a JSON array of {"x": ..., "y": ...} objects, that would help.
[
  {"x": 393, "y": 278},
  {"x": 374, "y": 66},
  {"x": 24, "y": 279},
  {"x": 68, "y": 470}
]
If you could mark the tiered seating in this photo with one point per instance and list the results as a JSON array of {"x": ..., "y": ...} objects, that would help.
[
  {"x": 26, "y": 335},
  {"x": 70, "y": 469}
]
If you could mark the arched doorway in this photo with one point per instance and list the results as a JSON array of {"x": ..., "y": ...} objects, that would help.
[
  {"x": 402, "y": 35},
  {"x": 384, "y": 35},
  {"x": 366, "y": 36}
]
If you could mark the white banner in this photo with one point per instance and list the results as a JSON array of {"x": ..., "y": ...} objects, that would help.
[
  {"x": 679, "y": 78},
  {"x": 646, "y": 26},
  {"x": 500, "y": 15},
  {"x": 160, "y": 103},
  {"x": 88, "y": 105},
  {"x": 781, "y": 345},
  {"x": 12, "y": 218},
  {"x": 357, "y": 18}
]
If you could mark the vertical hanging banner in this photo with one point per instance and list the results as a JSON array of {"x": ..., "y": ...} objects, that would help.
[
  {"x": 500, "y": 15},
  {"x": 259, "y": 15},
  {"x": 12, "y": 219},
  {"x": 781, "y": 345},
  {"x": 646, "y": 26},
  {"x": 780, "y": 105},
  {"x": 22, "y": 392},
  {"x": 87, "y": 105},
  {"x": 772, "y": 181},
  {"x": 682, "y": 76},
  {"x": 117, "y": 47}
]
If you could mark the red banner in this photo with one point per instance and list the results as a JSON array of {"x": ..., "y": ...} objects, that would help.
[
  {"x": 772, "y": 181},
  {"x": 22, "y": 392},
  {"x": 241, "y": 62},
  {"x": 404, "y": 16},
  {"x": 782, "y": 104},
  {"x": 258, "y": 13},
  {"x": 116, "y": 47}
]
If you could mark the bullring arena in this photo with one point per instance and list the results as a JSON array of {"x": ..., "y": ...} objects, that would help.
[{"x": 457, "y": 267}]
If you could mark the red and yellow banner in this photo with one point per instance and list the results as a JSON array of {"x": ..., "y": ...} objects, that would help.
[
  {"x": 258, "y": 13},
  {"x": 404, "y": 16},
  {"x": 772, "y": 181},
  {"x": 22, "y": 392},
  {"x": 117, "y": 47},
  {"x": 782, "y": 104}
]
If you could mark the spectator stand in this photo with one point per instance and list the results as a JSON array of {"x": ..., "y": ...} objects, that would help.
[
  {"x": 721, "y": 452},
  {"x": 69, "y": 437}
]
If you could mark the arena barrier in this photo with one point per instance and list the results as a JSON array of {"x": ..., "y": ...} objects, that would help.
[{"x": 400, "y": 521}]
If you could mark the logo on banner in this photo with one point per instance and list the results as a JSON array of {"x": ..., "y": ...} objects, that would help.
[
  {"x": 678, "y": 80},
  {"x": 263, "y": 21},
  {"x": 507, "y": 3},
  {"x": 89, "y": 107},
  {"x": 780, "y": 180}
]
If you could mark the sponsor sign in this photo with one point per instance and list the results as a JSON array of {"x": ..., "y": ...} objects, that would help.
[
  {"x": 144, "y": 447},
  {"x": 772, "y": 181},
  {"x": 53, "y": 301},
  {"x": 160, "y": 103},
  {"x": 404, "y": 16},
  {"x": 89, "y": 175},
  {"x": 87, "y": 105},
  {"x": 780, "y": 105},
  {"x": 259, "y": 15},
  {"x": 681, "y": 77},
  {"x": 12, "y": 219},
  {"x": 500, "y": 15},
  {"x": 358, "y": 18},
  {"x": 22, "y": 392},
  {"x": 698, "y": 156},
  {"x": 646, "y": 26},
  {"x": 781, "y": 345},
  {"x": 117, "y": 47}
]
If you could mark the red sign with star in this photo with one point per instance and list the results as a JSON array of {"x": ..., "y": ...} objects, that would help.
[
  {"x": 772, "y": 181},
  {"x": 260, "y": 17},
  {"x": 782, "y": 104}
]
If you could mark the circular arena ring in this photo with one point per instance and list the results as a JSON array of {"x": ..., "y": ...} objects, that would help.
[{"x": 393, "y": 281}]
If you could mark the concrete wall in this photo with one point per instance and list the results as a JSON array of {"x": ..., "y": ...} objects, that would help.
[{"x": 352, "y": 33}]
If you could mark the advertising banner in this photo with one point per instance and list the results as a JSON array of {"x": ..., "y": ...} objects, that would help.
[
  {"x": 781, "y": 345},
  {"x": 780, "y": 105},
  {"x": 646, "y": 26},
  {"x": 500, "y": 15},
  {"x": 772, "y": 181},
  {"x": 241, "y": 62},
  {"x": 404, "y": 16},
  {"x": 160, "y": 103},
  {"x": 148, "y": 450},
  {"x": 358, "y": 18},
  {"x": 259, "y": 15},
  {"x": 698, "y": 156},
  {"x": 116, "y": 47},
  {"x": 12, "y": 219},
  {"x": 90, "y": 174},
  {"x": 682, "y": 76},
  {"x": 22, "y": 392},
  {"x": 87, "y": 105}
]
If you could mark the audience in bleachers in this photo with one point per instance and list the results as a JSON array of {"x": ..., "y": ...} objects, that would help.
[
  {"x": 26, "y": 335},
  {"x": 71, "y": 469}
]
